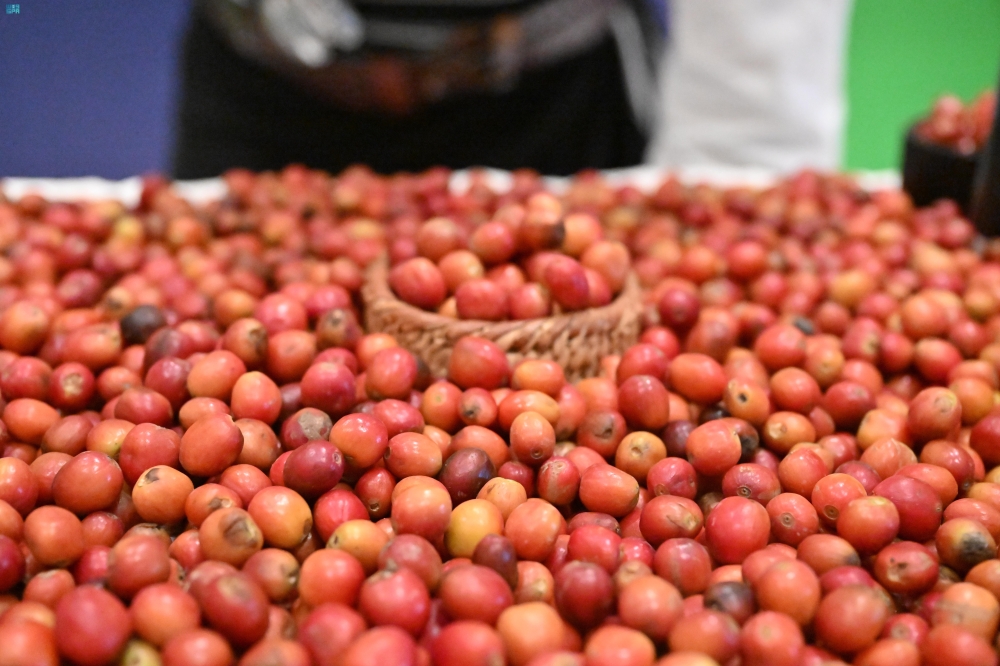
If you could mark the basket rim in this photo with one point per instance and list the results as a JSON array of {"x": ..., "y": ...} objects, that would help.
[
  {"x": 936, "y": 149},
  {"x": 376, "y": 291}
]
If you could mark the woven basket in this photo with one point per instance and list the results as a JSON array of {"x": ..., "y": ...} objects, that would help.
[{"x": 577, "y": 340}]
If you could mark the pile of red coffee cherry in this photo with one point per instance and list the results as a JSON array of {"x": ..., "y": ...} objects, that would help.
[
  {"x": 206, "y": 459},
  {"x": 962, "y": 127}
]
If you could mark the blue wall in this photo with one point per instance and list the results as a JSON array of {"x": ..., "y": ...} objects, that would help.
[{"x": 88, "y": 87}]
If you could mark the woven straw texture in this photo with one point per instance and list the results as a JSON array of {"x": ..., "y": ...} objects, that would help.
[{"x": 576, "y": 340}]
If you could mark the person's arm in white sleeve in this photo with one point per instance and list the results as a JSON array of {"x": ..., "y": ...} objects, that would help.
[{"x": 755, "y": 83}]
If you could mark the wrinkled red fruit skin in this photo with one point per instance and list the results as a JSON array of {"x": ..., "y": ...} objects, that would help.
[
  {"x": 92, "y": 626},
  {"x": 919, "y": 506},
  {"x": 985, "y": 438},
  {"x": 584, "y": 594},
  {"x": 236, "y": 607}
]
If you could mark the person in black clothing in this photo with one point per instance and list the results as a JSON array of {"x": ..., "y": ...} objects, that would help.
[{"x": 409, "y": 84}]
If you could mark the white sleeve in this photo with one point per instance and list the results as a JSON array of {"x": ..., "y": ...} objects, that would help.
[{"x": 752, "y": 83}]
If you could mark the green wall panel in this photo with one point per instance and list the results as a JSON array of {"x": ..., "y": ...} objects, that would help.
[{"x": 902, "y": 54}]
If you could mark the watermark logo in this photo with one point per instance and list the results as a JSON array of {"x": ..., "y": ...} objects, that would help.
[{"x": 13, "y": 9}]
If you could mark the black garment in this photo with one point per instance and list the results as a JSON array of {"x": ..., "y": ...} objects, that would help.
[
  {"x": 440, "y": 10},
  {"x": 558, "y": 120}
]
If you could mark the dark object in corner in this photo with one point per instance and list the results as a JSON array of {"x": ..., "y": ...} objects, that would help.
[
  {"x": 932, "y": 172},
  {"x": 985, "y": 208}
]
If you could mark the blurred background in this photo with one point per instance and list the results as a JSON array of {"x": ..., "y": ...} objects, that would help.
[{"x": 88, "y": 87}]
